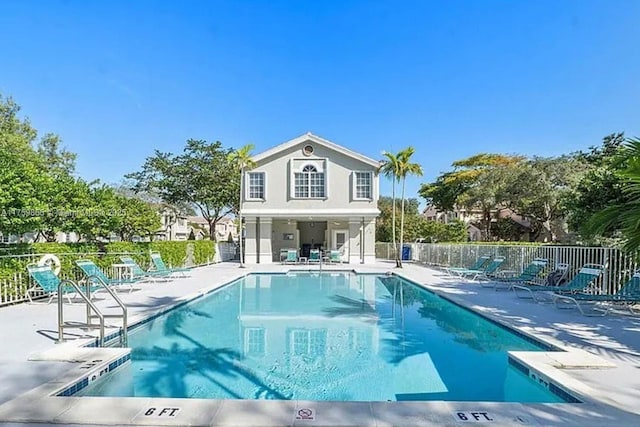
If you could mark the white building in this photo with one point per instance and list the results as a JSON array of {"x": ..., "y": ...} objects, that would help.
[
  {"x": 310, "y": 193},
  {"x": 225, "y": 226},
  {"x": 173, "y": 226}
]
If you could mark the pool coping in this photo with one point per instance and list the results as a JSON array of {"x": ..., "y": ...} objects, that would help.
[{"x": 42, "y": 404}]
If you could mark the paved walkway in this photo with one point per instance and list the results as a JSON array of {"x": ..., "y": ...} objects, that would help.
[{"x": 27, "y": 330}]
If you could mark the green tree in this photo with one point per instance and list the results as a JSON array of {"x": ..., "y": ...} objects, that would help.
[
  {"x": 538, "y": 189},
  {"x": 14, "y": 132},
  {"x": 601, "y": 185},
  {"x": 202, "y": 176},
  {"x": 624, "y": 216},
  {"x": 434, "y": 231},
  {"x": 241, "y": 158},
  {"x": 62, "y": 192},
  {"x": 405, "y": 168},
  {"x": 97, "y": 218},
  {"x": 416, "y": 225},
  {"x": 135, "y": 218},
  {"x": 534, "y": 188},
  {"x": 22, "y": 178},
  {"x": 62, "y": 196},
  {"x": 476, "y": 183},
  {"x": 391, "y": 169},
  {"x": 386, "y": 228},
  {"x": 507, "y": 229},
  {"x": 57, "y": 158},
  {"x": 443, "y": 193},
  {"x": 487, "y": 194}
]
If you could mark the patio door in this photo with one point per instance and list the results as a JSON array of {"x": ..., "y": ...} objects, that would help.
[{"x": 341, "y": 243}]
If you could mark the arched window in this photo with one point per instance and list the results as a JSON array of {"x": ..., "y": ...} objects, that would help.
[{"x": 309, "y": 183}]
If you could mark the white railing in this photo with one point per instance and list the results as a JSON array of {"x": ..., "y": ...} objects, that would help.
[
  {"x": 13, "y": 289},
  {"x": 619, "y": 265}
]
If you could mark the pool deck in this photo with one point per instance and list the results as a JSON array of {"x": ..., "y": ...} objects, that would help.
[{"x": 603, "y": 364}]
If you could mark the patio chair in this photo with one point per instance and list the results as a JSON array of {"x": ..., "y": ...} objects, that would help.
[
  {"x": 46, "y": 280},
  {"x": 480, "y": 263},
  {"x": 284, "y": 254},
  {"x": 487, "y": 273},
  {"x": 139, "y": 273},
  {"x": 335, "y": 256},
  {"x": 585, "y": 277},
  {"x": 91, "y": 270},
  {"x": 314, "y": 256},
  {"x": 160, "y": 266},
  {"x": 628, "y": 295},
  {"x": 505, "y": 279},
  {"x": 291, "y": 256}
]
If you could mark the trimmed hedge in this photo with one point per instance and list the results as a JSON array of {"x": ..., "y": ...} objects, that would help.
[{"x": 104, "y": 254}]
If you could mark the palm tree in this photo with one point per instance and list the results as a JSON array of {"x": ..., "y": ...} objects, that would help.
[
  {"x": 405, "y": 167},
  {"x": 624, "y": 216},
  {"x": 242, "y": 160},
  {"x": 390, "y": 169}
]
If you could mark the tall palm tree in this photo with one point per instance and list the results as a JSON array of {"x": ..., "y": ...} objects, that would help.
[
  {"x": 242, "y": 160},
  {"x": 390, "y": 169},
  {"x": 405, "y": 168}
]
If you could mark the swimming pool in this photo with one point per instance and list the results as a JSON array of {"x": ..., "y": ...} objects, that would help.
[{"x": 332, "y": 336}]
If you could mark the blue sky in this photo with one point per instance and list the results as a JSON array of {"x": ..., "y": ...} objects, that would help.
[{"x": 118, "y": 79}]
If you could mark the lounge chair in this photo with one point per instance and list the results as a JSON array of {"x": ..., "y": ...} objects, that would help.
[
  {"x": 91, "y": 270},
  {"x": 585, "y": 277},
  {"x": 628, "y": 295},
  {"x": 284, "y": 254},
  {"x": 160, "y": 266},
  {"x": 139, "y": 273},
  {"x": 480, "y": 263},
  {"x": 314, "y": 256},
  {"x": 335, "y": 256},
  {"x": 505, "y": 279},
  {"x": 46, "y": 280},
  {"x": 291, "y": 256},
  {"x": 487, "y": 273}
]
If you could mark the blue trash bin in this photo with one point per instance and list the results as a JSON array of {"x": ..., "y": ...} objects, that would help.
[{"x": 406, "y": 253}]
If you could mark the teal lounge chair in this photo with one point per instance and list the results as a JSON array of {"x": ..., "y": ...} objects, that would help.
[
  {"x": 160, "y": 266},
  {"x": 139, "y": 273},
  {"x": 335, "y": 256},
  {"x": 487, "y": 273},
  {"x": 628, "y": 295},
  {"x": 314, "y": 256},
  {"x": 46, "y": 280},
  {"x": 588, "y": 274},
  {"x": 90, "y": 269},
  {"x": 503, "y": 280},
  {"x": 284, "y": 254},
  {"x": 291, "y": 256},
  {"x": 480, "y": 263}
]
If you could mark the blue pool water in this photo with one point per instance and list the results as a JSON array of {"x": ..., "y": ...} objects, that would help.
[{"x": 334, "y": 336}]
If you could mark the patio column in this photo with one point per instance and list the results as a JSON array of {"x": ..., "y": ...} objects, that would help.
[
  {"x": 355, "y": 247},
  {"x": 250, "y": 241},
  {"x": 264, "y": 248},
  {"x": 369, "y": 240}
]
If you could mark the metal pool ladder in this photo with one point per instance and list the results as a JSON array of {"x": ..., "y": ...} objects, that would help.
[{"x": 92, "y": 311}]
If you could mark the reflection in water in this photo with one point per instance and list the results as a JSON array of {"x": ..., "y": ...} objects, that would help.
[{"x": 334, "y": 336}]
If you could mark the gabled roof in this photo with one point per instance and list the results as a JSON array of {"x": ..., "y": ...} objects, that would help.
[{"x": 320, "y": 141}]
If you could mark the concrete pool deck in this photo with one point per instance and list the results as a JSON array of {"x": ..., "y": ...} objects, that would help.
[{"x": 604, "y": 363}]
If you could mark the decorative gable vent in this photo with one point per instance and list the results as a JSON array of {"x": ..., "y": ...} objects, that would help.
[{"x": 307, "y": 150}]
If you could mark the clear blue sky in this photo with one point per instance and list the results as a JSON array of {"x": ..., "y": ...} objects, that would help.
[{"x": 118, "y": 79}]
